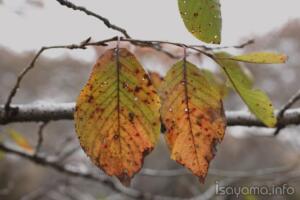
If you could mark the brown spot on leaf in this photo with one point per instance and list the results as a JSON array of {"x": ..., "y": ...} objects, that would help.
[{"x": 137, "y": 89}]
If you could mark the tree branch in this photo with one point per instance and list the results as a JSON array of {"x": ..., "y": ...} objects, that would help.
[
  {"x": 64, "y": 111},
  {"x": 88, "y": 12},
  {"x": 259, "y": 173},
  {"x": 82, "y": 45},
  {"x": 281, "y": 113},
  {"x": 155, "y": 44},
  {"x": 68, "y": 170},
  {"x": 238, "y": 46},
  {"x": 31, "y": 65},
  {"x": 40, "y": 137},
  {"x": 106, "y": 181}
]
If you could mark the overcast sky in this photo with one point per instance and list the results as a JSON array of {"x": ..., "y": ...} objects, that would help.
[{"x": 25, "y": 27}]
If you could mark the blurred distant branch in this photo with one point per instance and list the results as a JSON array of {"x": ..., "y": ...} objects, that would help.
[
  {"x": 72, "y": 171},
  {"x": 64, "y": 111},
  {"x": 259, "y": 173},
  {"x": 109, "y": 182}
]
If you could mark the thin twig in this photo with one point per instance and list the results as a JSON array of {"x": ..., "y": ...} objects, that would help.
[
  {"x": 71, "y": 171},
  {"x": 114, "y": 185},
  {"x": 40, "y": 137},
  {"x": 238, "y": 46},
  {"x": 83, "y": 45},
  {"x": 223, "y": 173},
  {"x": 104, "y": 180},
  {"x": 288, "y": 105},
  {"x": 68, "y": 153},
  {"x": 88, "y": 12},
  {"x": 31, "y": 65},
  {"x": 58, "y": 150}
]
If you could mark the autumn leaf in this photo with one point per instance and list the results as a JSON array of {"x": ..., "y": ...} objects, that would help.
[
  {"x": 117, "y": 115},
  {"x": 260, "y": 57},
  {"x": 202, "y": 18},
  {"x": 20, "y": 140},
  {"x": 257, "y": 101},
  {"x": 156, "y": 79},
  {"x": 193, "y": 115}
]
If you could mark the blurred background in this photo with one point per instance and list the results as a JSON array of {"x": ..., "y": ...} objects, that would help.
[{"x": 247, "y": 156}]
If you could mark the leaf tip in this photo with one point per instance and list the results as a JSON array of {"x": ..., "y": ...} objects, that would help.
[
  {"x": 272, "y": 124},
  {"x": 124, "y": 179},
  {"x": 202, "y": 179}
]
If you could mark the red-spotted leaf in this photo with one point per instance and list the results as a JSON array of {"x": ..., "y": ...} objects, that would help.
[
  {"x": 117, "y": 115},
  {"x": 156, "y": 79},
  {"x": 193, "y": 115}
]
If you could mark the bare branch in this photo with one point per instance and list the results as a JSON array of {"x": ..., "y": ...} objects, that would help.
[
  {"x": 116, "y": 186},
  {"x": 64, "y": 111},
  {"x": 218, "y": 172},
  {"x": 64, "y": 156},
  {"x": 40, "y": 137},
  {"x": 239, "y": 46},
  {"x": 31, "y": 65},
  {"x": 71, "y": 171},
  {"x": 88, "y": 12},
  {"x": 288, "y": 105},
  {"x": 82, "y": 45},
  {"x": 104, "y": 180}
]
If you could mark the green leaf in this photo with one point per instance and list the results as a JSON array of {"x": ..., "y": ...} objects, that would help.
[
  {"x": 262, "y": 58},
  {"x": 202, "y": 18},
  {"x": 215, "y": 83},
  {"x": 257, "y": 101}
]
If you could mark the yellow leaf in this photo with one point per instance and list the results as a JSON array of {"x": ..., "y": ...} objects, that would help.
[
  {"x": 193, "y": 115},
  {"x": 20, "y": 140},
  {"x": 117, "y": 115},
  {"x": 257, "y": 101},
  {"x": 262, "y": 57}
]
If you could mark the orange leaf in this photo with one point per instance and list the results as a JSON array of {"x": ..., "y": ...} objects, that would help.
[
  {"x": 20, "y": 140},
  {"x": 193, "y": 115},
  {"x": 117, "y": 115},
  {"x": 156, "y": 79}
]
